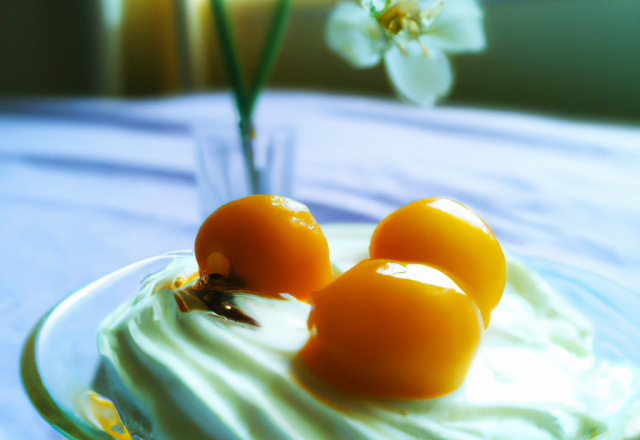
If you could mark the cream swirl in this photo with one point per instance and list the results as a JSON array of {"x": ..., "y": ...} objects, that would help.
[{"x": 197, "y": 377}]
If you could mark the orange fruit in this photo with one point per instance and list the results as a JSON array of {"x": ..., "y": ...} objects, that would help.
[
  {"x": 271, "y": 243},
  {"x": 448, "y": 236},
  {"x": 392, "y": 329}
]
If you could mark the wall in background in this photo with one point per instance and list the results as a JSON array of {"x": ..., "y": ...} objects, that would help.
[
  {"x": 569, "y": 56},
  {"x": 575, "y": 57},
  {"x": 48, "y": 47}
]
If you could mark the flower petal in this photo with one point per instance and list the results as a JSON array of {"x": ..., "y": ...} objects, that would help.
[
  {"x": 355, "y": 35},
  {"x": 417, "y": 77},
  {"x": 377, "y": 5},
  {"x": 458, "y": 28}
]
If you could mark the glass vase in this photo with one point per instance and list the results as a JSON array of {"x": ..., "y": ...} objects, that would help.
[{"x": 222, "y": 174}]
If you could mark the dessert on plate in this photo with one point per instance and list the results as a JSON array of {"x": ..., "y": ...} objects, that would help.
[{"x": 419, "y": 329}]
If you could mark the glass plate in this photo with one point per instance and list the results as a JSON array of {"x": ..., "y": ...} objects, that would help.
[{"x": 60, "y": 356}]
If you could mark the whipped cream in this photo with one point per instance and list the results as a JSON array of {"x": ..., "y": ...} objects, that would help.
[{"x": 196, "y": 376}]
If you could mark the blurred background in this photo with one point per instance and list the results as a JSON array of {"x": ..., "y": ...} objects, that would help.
[{"x": 577, "y": 58}]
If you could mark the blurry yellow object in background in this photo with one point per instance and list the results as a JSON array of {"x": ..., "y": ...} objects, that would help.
[
  {"x": 163, "y": 46},
  {"x": 148, "y": 45}
]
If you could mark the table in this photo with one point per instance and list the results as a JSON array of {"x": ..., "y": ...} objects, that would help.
[{"x": 88, "y": 186}]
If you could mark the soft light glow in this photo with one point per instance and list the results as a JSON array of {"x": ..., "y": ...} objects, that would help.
[
  {"x": 457, "y": 210},
  {"x": 112, "y": 13},
  {"x": 421, "y": 273}
]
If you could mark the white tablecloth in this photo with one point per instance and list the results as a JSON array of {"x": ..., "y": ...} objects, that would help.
[{"x": 88, "y": 186}]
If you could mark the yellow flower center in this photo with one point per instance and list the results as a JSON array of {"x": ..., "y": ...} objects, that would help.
[{"x": 406, "y": 15}]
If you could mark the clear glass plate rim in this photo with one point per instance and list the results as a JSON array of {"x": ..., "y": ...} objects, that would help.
[
  {"x": 75, "y": 429},
  {"x": 67, "y": 424}
]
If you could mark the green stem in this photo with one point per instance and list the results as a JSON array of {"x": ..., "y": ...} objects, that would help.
[
  {"x": 246, "y": 99},
  {"x": 276, "y": 33},
  {"x": 246, "y": 134},
  {"x": 230, "y": 57}
]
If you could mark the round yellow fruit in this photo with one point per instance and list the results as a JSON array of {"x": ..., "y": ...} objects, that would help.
[
  {"x": 394, "y": 330},
  {"x": 448, "y": 236},
  {"x": 271, "y": 243}
]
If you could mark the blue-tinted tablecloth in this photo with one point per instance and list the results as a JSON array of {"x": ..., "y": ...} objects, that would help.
[{"x": 88, "y": 186}]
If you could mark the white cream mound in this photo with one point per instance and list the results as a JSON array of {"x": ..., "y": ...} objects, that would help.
[{"x": 197, "y": 377}]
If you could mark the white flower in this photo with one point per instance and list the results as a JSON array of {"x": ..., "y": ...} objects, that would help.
[{"x": 412, "y": 36}]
